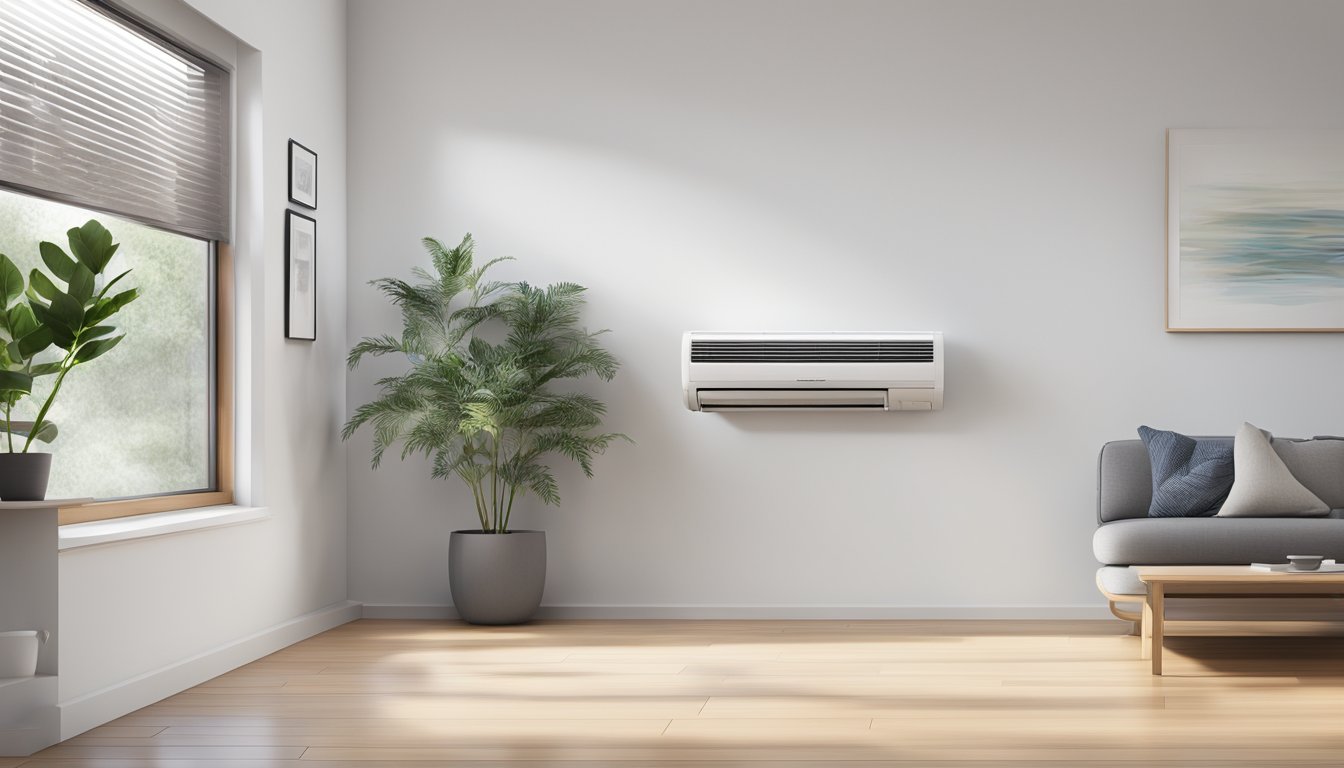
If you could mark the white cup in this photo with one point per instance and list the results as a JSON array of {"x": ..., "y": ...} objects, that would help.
[{"x": 18, "y": 652}]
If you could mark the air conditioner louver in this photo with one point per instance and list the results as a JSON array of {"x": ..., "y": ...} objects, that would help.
[
  {"x": 811, "y": 399},
  {"x": 772, "y": 351}
]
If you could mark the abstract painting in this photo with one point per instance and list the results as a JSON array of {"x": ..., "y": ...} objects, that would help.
[{"x": 1255, "y": 230}]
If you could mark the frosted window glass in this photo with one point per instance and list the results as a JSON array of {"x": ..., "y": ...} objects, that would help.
[{"x": 136, "y": 421}]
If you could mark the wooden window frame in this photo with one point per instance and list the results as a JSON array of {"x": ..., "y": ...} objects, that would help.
[{"x": 224, "y": 352}]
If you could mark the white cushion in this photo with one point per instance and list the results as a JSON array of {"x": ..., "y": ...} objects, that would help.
[{"x": 1264, "y": 486}]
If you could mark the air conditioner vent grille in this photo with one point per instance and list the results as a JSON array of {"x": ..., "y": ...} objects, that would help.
[{"x": 802, "y": 351}]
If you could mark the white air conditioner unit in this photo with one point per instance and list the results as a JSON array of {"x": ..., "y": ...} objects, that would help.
[{"x": 812, "y": 371}]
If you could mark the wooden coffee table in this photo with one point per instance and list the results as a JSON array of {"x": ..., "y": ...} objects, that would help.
[{"x": 1165, "y": 581}]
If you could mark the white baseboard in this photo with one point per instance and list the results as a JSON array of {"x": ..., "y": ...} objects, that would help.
[
  {"x": 778, "y": 612},
  {"x": 94, "y": 709}
]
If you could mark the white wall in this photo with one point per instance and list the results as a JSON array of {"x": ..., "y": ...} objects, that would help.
[
  {"x": 992, "y": 170},
  {"x": 137, "y": 608}
]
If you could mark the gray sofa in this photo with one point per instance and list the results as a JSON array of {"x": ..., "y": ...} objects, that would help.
[{"x": 1126, "y": 536}]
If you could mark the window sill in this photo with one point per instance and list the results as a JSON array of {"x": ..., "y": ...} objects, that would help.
[{"x": 156, "y": 524}]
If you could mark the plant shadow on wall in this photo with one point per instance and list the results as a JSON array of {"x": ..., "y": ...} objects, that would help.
[
  {"x": 47, "y": 331},
  {"x": 479, "y": 403}
]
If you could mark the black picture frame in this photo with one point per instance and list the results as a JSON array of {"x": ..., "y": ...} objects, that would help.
[
  {"x": 300, "y": 279},
  {"x": 303, "y": 178}
]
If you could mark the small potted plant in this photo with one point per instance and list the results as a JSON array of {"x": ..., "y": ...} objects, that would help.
[
  {"x": 49, "y": 330},
  {"x": 486, "y": 412}
]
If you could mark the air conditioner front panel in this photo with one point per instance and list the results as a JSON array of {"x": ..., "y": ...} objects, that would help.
[{"x": 812, "y": 371}]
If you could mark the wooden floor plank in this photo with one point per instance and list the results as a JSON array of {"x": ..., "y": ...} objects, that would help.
[
  {"x": 658, "y": 763},
  {"x": 132, "y": 752},
  {"x": 725, "y": 693}
]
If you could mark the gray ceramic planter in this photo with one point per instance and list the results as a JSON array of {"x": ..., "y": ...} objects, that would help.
[
  {"x": 23, "y": 476},
  {"x": 497, "y": 578}
]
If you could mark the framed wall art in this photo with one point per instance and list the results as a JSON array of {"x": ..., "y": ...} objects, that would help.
[
  {"x": 1255, "y": 230},
  {"x": 302, "y": 175},
  {"x": 300, "y": 276}
]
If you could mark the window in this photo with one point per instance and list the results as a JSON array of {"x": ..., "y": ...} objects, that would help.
[
  {"x": 138, "y": 421},
  {"x": 101, "y": 118}
]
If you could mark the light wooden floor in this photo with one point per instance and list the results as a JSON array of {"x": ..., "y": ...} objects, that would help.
[{"x": 387, "y": 693}]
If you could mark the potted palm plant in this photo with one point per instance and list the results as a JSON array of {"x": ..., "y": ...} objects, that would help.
[
  {"x": 478, "y": 402},
  {"x": 49, "y": 330}
]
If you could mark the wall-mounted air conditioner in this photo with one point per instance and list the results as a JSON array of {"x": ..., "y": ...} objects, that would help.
[{"x": 812, "y": 371}]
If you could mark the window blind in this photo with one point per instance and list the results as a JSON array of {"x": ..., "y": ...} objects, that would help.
[{"x": 97, "y": 112}]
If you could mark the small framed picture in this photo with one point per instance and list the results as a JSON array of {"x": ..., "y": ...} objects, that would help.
[
  {"x": 300, "y": 276},
  {"x": 302, "y": 175}
]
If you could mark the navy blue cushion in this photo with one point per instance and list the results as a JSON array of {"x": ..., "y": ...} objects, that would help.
[{"x": 1191, "y": 478}]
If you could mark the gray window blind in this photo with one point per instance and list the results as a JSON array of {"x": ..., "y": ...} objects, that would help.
[{"x": 97, "y": 112}]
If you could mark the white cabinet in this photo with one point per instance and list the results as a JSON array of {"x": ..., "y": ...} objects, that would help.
[{"x": 29, "y": 718}]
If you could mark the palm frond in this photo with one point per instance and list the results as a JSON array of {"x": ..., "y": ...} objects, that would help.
[
  {"x": 373, "y": 345},
  {"x": 473, "y": 280},
  {"x": 453, "y": 265},
  {"x": 533, "y": 477},
  {"x": 571, "y": 411}
]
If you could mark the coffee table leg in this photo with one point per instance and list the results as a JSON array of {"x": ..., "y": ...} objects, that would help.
[
  {"x": 1155, "y": 611},
  {"x": 1146, "y": 631}
]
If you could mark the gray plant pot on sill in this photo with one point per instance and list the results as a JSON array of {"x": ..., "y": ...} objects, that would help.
[
  {"x": 23, "y": 476},
  {"x": 497, "y": 578}
]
